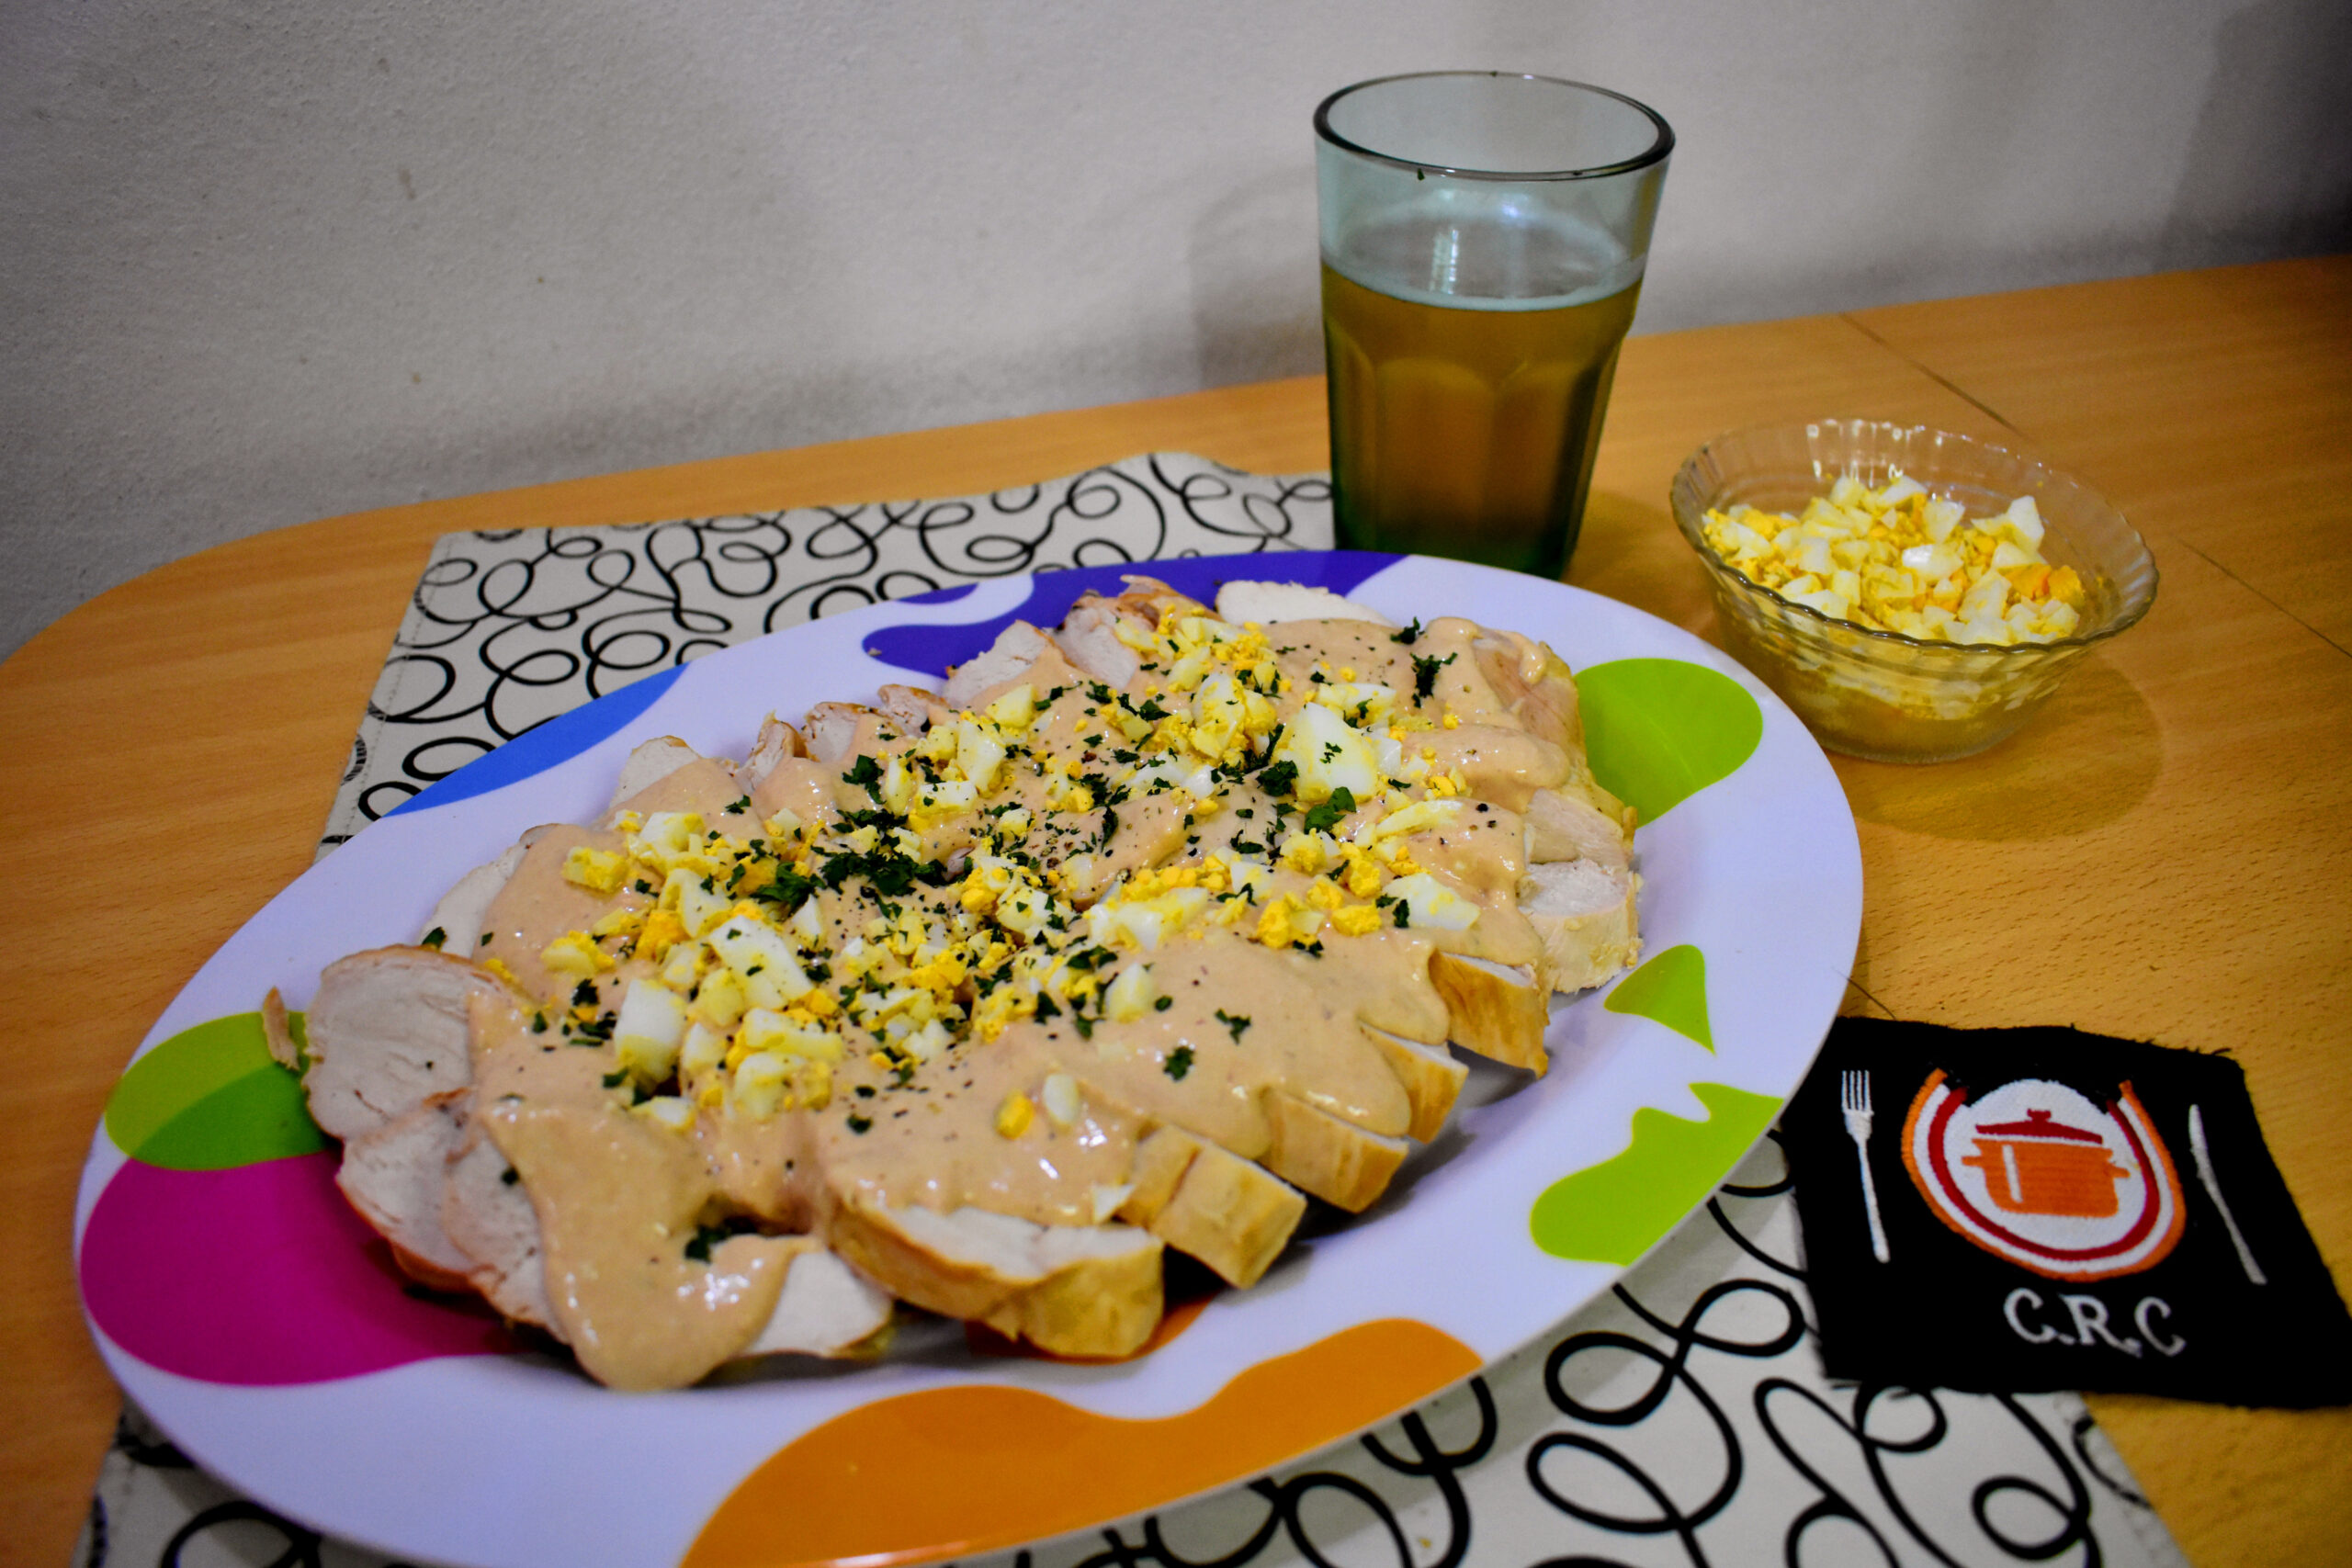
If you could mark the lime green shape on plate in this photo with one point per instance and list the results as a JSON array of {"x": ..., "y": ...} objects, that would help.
[
  {"x": 1671, "y": 990},
  {"x": 1614, "y": 1210},
  {"x": 211, "y": 1097},
  {"x": 1659, "y": 731}
]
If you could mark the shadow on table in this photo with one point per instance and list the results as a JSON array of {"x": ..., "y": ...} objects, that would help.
[{"x": 2088, "y": 759}]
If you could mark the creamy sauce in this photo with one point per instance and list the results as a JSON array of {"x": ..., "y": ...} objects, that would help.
[
  {"x": 1233, "y": 1025},
  {"x": 617, "y": 1200}
]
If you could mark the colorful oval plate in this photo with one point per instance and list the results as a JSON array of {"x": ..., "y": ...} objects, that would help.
[{"x": 240, "y": 1302}]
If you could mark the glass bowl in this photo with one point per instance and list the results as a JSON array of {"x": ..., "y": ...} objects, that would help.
[{"x": 1880, "y": 695}]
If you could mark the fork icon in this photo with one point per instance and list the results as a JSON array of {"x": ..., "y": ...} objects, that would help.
[{"x": 1854, "y": 1097}]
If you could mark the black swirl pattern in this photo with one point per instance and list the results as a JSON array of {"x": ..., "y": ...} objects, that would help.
[{"x": 509, "y": 629}]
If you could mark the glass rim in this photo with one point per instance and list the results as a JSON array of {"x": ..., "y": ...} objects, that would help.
[{"x": 1655, "y": 152}]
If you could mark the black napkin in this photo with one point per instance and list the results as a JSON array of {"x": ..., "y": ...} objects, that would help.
[{"x": 2058, "y": 1210}]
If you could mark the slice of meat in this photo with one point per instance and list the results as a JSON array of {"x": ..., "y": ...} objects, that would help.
[
  {"x": 1154, "y": 600},
  {"x": 1497, "y": 1011},
  {"x": 1584, "y": 911},
  {"x": 777, "y": 741},
  {"x": 826, "y": 1308},
  {"x": 1565, "y": 827},
  {"x": 1016, "y": 648},
  {"x": 914, "y": 708},
  {"x": 395, "y": 1176},
  {"x": 1535, "y": 686},
  {"x": 1270, "y": 602},
  {"x": 278, "y": 1031},
  {"x": 463, "y": 913},
  {"x": 489, "y": 1217},
  {"x": 832, "y": 731},
  {"x": 647, "y": 765},
  {"x": 1089, "y": 638},
  {"x": 1431, "y": 1077},
  {"x": 1343, "y": 1165},
  {"x": 1226, "y": 1211},
  {"x": 706, "y": 785},
  {"x": 388, "y": 1031},
  {"x": 1072, "y": 1289}
]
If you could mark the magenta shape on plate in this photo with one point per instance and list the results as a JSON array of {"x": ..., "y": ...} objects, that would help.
[{"x": 259, "y": 1275}]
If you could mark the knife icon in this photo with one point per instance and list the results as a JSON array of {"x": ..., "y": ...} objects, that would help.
[{"x": 2204, "y": 1157}]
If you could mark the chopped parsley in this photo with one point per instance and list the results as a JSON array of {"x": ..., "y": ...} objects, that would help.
[
  {"x": 1410, "y": 635},
  {"x": 434, "y": 938},
  {"x": 885, "y": 870},
  {"x": 1234, "y": 1021},
  {"x": 708, "y": 1237},
  {"x": 1324, "y": 818},
  {"x": 1179, "y": 1063},
  {"x": 861, "y": 1125},
  {"x": 1425, "y": 675},
  {"x": 867, "y": 773},
  {"x": 787, "y": 890},
  {"x": 1278, "y": 778}
]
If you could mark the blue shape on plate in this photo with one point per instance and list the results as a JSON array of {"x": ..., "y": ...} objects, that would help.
[
  {"x": 536, "y": 750},
  {"x": 933, "y": 648}
]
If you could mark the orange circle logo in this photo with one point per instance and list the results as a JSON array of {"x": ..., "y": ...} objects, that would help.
[{"x": 2036, "y": 1172}]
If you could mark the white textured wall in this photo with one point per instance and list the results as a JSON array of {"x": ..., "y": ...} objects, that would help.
[{"x": 269, "y": 260}]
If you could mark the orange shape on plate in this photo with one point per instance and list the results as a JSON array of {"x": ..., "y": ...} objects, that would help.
[{"x": 950, "y": 1471}]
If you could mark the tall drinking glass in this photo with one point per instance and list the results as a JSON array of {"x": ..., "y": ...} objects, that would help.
[{"x": 1484, "y": 237}]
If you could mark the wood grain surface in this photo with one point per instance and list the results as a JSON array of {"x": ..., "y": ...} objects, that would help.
[{"x": 2163, "y": 852}]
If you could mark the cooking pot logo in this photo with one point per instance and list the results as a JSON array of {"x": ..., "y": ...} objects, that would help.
[{"x": 2035, "y": 1172}]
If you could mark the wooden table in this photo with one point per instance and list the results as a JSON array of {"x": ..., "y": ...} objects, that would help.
[{"x": 2163, "y": 854}]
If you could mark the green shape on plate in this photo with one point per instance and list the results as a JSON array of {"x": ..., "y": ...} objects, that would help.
[
  {"x": 1614, "y": 1210},
  {"x": 1671, "y": 990},
  {"x": 1659, "y": 731},
  {"x": 211, "y": 1097}
]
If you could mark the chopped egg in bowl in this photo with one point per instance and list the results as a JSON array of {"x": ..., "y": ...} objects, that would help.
[{"x": 1913, "y": 594}]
